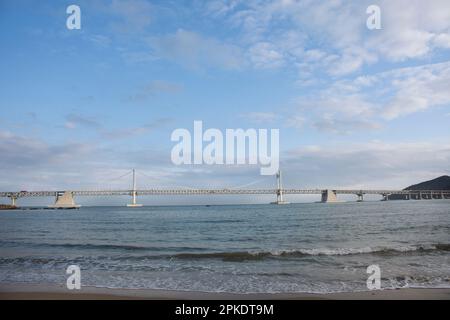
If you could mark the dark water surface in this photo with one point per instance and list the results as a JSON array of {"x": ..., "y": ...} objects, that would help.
[{"x": 245, "y": 248}]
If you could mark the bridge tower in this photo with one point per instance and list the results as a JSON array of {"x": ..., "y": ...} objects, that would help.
[
  {"x": 279, "y": 190},
  {"x": 133, "y": 204}
]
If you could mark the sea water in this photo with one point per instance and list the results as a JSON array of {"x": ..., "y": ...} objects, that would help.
[{"x": 314, "y": 247}]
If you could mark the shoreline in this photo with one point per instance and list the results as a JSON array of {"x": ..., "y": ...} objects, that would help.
[{"x": 56, "y": 292}]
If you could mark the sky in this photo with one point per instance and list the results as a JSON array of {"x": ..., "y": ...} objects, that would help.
[{"x": 356, "y": 108}]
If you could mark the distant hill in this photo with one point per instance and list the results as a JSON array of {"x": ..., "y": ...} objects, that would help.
[{"x": 441, "y": 183}]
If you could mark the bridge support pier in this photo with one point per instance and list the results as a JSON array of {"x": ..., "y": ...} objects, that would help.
[
  {"x": 280, "y": 199},
  {"x": 360, "y": 197},
  {"x": 133, "y": 204},
  {"x": 64, "y": 200},
  {"x": 13, "y": 201},
  {"x": 329, "y": 196}
]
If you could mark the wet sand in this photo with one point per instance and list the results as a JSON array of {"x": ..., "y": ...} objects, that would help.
[{"x": 53, "y": 292}]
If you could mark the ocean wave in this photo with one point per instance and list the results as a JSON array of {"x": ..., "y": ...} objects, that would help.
[
  {"x": 260, "y": 255},
  {"x": 99, "y": 246},
  {"x": 252, "y": 255},
  {"x": 141, "y": 253}
]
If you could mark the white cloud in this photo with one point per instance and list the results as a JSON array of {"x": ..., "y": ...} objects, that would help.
[
  {"x": 351, "y": 60},
  {"x": 340, "y": 109},
  {"x": 265, "y": 56},
  {"x": 124, "y": 133},
  {"x": 374, "y": 164},
  {"x": 196, "y": 51},
  {"x": 315, "y": 37},
  {"x": 295, "y": 121},
  {"x": 314, "y": 55},
  {"x": 403, "y": 44},
  {"x": 74, "y": 121},
  {"x": 100, "y": 40},
  {"x": 442, "y": 40},
  {"x": 350, "y": 105},
  {"x": 31, "y": 163},
  {"x": 334, "y": 33},
  {"x": 156, "y": 87},
  {"x": 410, "y": 27},
  {"x": 138, "y": 57},
  {"x": 261, "y": 117},
  {"x": 334, "y": 125},
  {"x": 135, "y": 15},
  {"x": 417, "y": 89},
  {"x": 219, "y": 7}
]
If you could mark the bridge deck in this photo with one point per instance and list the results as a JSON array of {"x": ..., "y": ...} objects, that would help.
[{"x": 148, "y": 192}]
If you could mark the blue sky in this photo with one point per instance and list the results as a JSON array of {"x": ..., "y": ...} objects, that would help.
[{"x": 355, "y": 107}]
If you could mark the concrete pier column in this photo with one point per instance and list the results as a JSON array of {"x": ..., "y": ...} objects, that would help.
[
  {"x": 280, "y": 199},
  {"x": 133, "y": 201},
  {"x": 360, "y": 197},
  {"x": 133, "y": 204},
  {"x": 329, "y": 196},
  {"x": 65, "y": 201},
  {"x": 13, "y": 201}
]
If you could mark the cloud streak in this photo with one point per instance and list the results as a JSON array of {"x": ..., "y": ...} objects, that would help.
[{"x": 195, "y": 51}]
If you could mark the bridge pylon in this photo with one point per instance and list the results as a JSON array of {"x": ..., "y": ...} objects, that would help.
[
  {"x": 133, "y": 203},
  {"x": 279, "y": 190}
]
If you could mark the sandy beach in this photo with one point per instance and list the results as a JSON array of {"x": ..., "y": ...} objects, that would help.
[{"x": 53, "y": 292}]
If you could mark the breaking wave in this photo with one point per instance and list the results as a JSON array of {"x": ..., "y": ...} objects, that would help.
[
  {"x": 248, "y": 255},
  {"x": 128, "y": 252}
]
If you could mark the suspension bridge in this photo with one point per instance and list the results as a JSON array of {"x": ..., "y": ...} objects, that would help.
[{"x": 66, "y": 199}]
